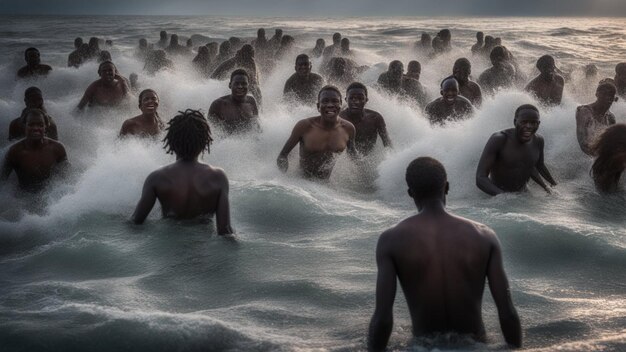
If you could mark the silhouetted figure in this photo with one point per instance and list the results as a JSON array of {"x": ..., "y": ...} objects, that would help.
[
  {"x": 286, "y": 48},
  {"x": 441, "y": 43},
  {"x": 318, "y": 50},
  {"x": 450, "y": 106},
  {"x": 202, "y": 63},
  {"x": 141, "y": 52},
  {"x": 424, "y": 45},
  {"x": 480, "y": 42},
  {"x": 620, "y": 79},
  {"x": 500, "y": 75},
  {"x": 461, "y": 71},
  {"x": 345, "y": 48},
  {"x": 393, "y": 81},
  {"x": 413, "y": 70},
  {"x": 33, "y": 99},
  {"x": 163, "y": 42},
  {"x": 157, "y": 61},
  {"x": 224, "y": 53},
  {"x": 610, "y": 158},
  {"x": 490, "y": 43},
  {"x": 593, "y": 118},
  {"x": 78, "y": 56},
  {"x": 331, "y": 51},
  {"x": 34, "y": 67},
  {"x": 303, "y": 85},
  {"x": 235, "y": 43},
  {"x": 548, "y": 86},
  {"x": 274, "y": 42},
  {"x": 105, "y": 55},
  {"x": 94, "y": 48},
  {"x": 174, "y": 48}
]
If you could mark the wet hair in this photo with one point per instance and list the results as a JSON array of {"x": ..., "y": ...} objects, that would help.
[
  {"x": 320, "y": 42},
  {"x": 544, "y": 61},
  {"x": 174, "y": 39},
  {"x": 286, "y": 40},
  {"x": 395, "y": 63},
  {"x": 444, "y": 34},
  {"x": 345, "y": 42},
  {"x": 489, "y": 39},
  {"x": 188, "y": 135},
  {"x": 526, "y": 107},
  {"x": 260, "y": 32},
  {"x": 356, "y": 85},
  {"x": 590, "y": 70},
  {"x": 143, "y": 42},
  {"x": 610, "y": 151},
  {"x": 32, "y": 91},
  {"x": 302, "y": 57},
  {"x": 30, "y": 49},
  {"x": 462, "y": 62},
  {"x": 414, "y": 63},
  {"x": 426, "y": 178},
  {"x": 480, "y": 35},
  {"x": 328, "y": 87},
  {"x": 239, "y": 72},
  {"x": 225, "y": 47},
  {"x": 189, "y": 42},
  {"x": 144, "y": 92}
]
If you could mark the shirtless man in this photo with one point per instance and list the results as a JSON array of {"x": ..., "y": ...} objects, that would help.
[
  {"x": 369, "y": 124},
  {"x": 320, "y": 45},
  {"x": 450, "y": 106},
  {"x": 244, "y": 59},
  {"x": 620, "y": 79},
  {"x": 548, "y": 86},
  {"x": 393, "y": 81},
  {"x": 511, "y": 157},
  {"x": 148, "y": 123},
  {"x": 461, "y": 71},
  {"x": 175, "y": 48},
  {"x": 480, "y": 42},
  {"x": 276, "y": 39},
  {"x": 500, "y": 75},
  {"x": 35, "y": 158},
  {"x": 33, "y": 67},
  {"x": 414, "y": 70},
  {"x": 162, "y": 43},
  {"x": 187, "y": 188},
  {"x": 332, "y": 50},
  {"x": 110, "y": 90},
  {"x": 33, "y": 99},
  {"x": 236, "y": 112},
  {"x": 76, "y": 57},
  {"x": 441, "y": 261},
  {"x": 303, "y": 85},
  {"x": 593, "y": 118},
  {"x": 345, "y": 48},
  {"x": 321, "y": 138}
]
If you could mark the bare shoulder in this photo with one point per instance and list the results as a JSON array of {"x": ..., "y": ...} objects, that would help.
[
  {"x": 500, "y": 136},
  {"x": 16, "y": 147},
  {"x": 373, "y": 114},
  {"x": 250, "y": 100},
  {"x": 347, "y": 125},
  {"x": 471, "y": 227},
  {"x": 305, "y": 124}
]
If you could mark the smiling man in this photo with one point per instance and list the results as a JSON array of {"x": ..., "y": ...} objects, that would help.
[
  {"x": 236, "y": 112},
  {"x": 450, "y": 106},
  {"x": 33, "y": 67},
  {"x": 110, "y": 90},
  {"x": 513, "y": 156},
  {"x": 321, "y": 138}
]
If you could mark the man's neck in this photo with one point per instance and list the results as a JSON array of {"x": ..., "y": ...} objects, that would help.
[
  {"x": 600, "y": 109},
  {"x": 357, "y": 114},
  {"x": 431, "y": 206},
  {"x": 238, "y": 100},
  {"x": 34, "y": 143},
  {"x": 149, "y": 117}
]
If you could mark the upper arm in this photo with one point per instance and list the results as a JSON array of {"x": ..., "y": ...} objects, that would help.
[
  {"x": 147, "y": 200},
  {"x": 214, "y": 110},
  {"x": 490, "y": 152},
  {"x": 294, "y": 138},
  {"x": 498, "y": 282},
  {"x": 87, "y": 97},
  {"x": 386, "y": 279},
  {"x": 223, "y": 208}
]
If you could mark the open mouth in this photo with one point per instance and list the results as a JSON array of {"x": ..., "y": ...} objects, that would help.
[{"x": 527, "y": 134}]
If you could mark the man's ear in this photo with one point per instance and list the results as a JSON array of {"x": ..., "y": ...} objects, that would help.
[
  {"x": 410, "y": 192},
  {"x": 447, "y": 189}
]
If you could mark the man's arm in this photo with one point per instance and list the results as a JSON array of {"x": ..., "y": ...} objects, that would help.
[
  {"x": 487, "y": 160},
  {"x": 148, "y": 198},
  {"x": 382, "y": 131},
  {"x": 583, "y": 123},
  {"x": 382, "y": 320},
  {"x": 296, "y": 135},
  {"x": 222, "y": 215},
  {"x": 541, "y": 167},
  {"x": 87, "y": 97},
  {"x": 499, "y": 287},
  {"x": 214, "y": 111},
  {"x": 351, "y": 145},
  {"x": 8, "y": 165}
]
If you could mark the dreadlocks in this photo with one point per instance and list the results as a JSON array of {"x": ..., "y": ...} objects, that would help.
[{"x": 188, "y": 134}]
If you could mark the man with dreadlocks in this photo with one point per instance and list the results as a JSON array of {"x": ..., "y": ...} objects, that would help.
[
  {"x": 148, "y": 123},
  {"x": 236, "y": 112},
  {"x": 187, "y": 188},
  {"x": 110, "y": 90}
]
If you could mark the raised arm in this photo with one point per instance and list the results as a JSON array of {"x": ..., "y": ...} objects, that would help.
[
  {"x": 382, "y": 132},
  {"x": 148, "y": 198},
  {"x": 296, "y": 134},
  {"x": 487, "y": 160},
  {"x": 499, "y": 287},
  {"x": 541, "y": 166},
  {"x": 87, "y": 97},
  {"x": 351, "y": 146},
  {"x": 222, "y": 214},
  {"x": 382, "y": 320}
]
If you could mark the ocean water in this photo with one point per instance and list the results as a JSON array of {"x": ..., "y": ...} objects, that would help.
[{"x": 75, "y": 274}]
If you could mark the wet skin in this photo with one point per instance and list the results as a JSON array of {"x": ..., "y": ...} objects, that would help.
[
  {"x": 17, "y": 128},
  {"x": 33, "y": 67},
  {"x": 450, "y": 106},
  {"x": 110, "y": 90},
  {"x": 236, "y": 112},
  {"x": 146, "y": 124},
  {"x": 35, "y": 158},
  {"x": 303, "y": 85},
  {"x": 467, "y": 88},
  {"x": 511, "y": 157},
  {"x": 592, "y": 119},
  {"x": 547, "y": 87},
  {"x": 321, "y": 138},
  {"x": 369, "y": 124}
]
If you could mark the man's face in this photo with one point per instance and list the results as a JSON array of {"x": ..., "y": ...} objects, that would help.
[
  {"x": 449, "y": 91},
  {"x": 396, "y": 71},
  {"x": 329, "y": 104},
  {"x": 461, "y": 73},
  {"x": 356, "y": 99},
  {"x": 32, "y": 57},
  {"x": 526, "y": 125},
  {"x": 605, "y": 96},
  {"x": 34, "y": 101},
  {"x": 239, "y": 86},
  {"x": 303, "y": 67},
  {"x": 548, "y": 69},
  {"x": 107, "y": 72},
  {"x": 35, "y": 126},
  {"x": 149, "y": 103}
]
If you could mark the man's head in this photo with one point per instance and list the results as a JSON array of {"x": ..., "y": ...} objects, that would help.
[
  {"x": 426, "y": 39},
  {"x": 246, "y": 52},
  {"x": 320, "y": 43},
  {"x": 84, "y": 49},
  {"x": 105, "y": 55},
  {"x": 203, "y": 52},
  {"x": 497, "y": 41},
  {"x": 188, "y": 134},
  {"x": 36, "y": 122},
  {"x": 303, "y": 65},
  {"x": 143, "y": 43},
  {"x": 174, "y": 40},
  {"x": 445, "y": 35},
  {"x": 235, "y": 42},
  {"x": 336, "y": 38},
  {"x": 345, "y": 45},
  {"x": 213, "y": 47},
  {"x": 462, "y": 69},
  {"x": 32, "y": 57},
  {"x": 107, "y": 71},
  {"x": 526, "y": 122},
  {"x": 189, "y": 43},
  {"x": 356, "y": 96},
  {"x": 489, "y": 41},
  {"x": 163, "y": 35},
  {"x": 78, "y": 42},
  {"x": 260, "y": 33},
  {"x": 33, "y": 98},
  {"x": 93, "y": 43},
  {"x": 590, "y": 70},
  {"x": 427, "y": 180},
  {"x": 620, "y": 70},
  {"x": 278, "y": 33},
  {"x": 225, "y": 48},
  {"x": 396, "y": 70},
  {"x": 449, "y": 90},
  {"x": 498, "y": 55},
  {"x": 605, "y": 93},
  {"x": 329, "y": 103},
  {"x": 480, "y": 36},
  {"x": 414, "y": 69},
  {"x": 239, "y": 81},
  {"x": 148, "y": 101},
  {"x": 546, "y": 66},
  {"x": 287, "y": 41}
]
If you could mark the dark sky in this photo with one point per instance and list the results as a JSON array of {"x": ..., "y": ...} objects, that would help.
[{"x": 305, "y": 8}]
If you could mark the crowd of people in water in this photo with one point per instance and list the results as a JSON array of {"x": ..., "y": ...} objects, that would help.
[{"x": 439, "y": 300}]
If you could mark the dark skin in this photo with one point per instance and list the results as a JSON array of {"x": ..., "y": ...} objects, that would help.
[
  {"x": 548, "y": 86},
  {"x": 467, "y": 88},
  {"x": 146, "y": 124},
  {"x": 33, "y": 67},
  {"x": 110, "y": 90},
  {"x": 236, "y": 112},
  {"x": 369, "y": 124},
  {"x": 450, "y": 106},
  {"x": 479, "y": 43},
  {"x": 303, "y": 85},
  {"x": 245, "y": 60},
  {"x": 35, "y": 158},
  {"x": 321, "y": 138},
  {"x": 511, "y": 157},
  {"x": 395, "y": 82},
  {"x": 17, "y": 128},
  {"x": 187, "y": 189},
  {"x": 441, "y": 261},
  {"x": 620, "y": 79},
  {"x": 500, "y": 75},
  {"x": 593, "y": 118}
]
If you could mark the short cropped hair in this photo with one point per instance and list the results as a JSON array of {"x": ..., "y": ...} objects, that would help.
[
  {"x": 607, "y": 85},
  {"x": 426, "y": 178},
  {"x": 356, "y": 85},
  {"x": 239, "y": 72},
  {"x": 302, "y": 57},
  {"x": 526, "y": 107},
  {"x": 329, "y": 87}
]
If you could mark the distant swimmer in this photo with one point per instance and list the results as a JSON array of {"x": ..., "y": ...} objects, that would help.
[
  {"x": 163, "y": 42},
  {"x": 235, "y": 43},
  {"x": 441, "y": 42},
  {"x": 105, "y": 55},
  {"x": 142, "y": 51},
  {"x": 480, "y": 42},
  {"x": 450, "y": 106},
  {"x": 148, "y": 123},
  {"x": 34, "y": 67},
  {"x": 304, "y": 84},
  {"x": 286, "y": 48},
  {"x": 35, "y": 158},
  {"x": 79, "y": 55},
  {"x": 620, "y": 79},
  {"x": 610, "y": 153},
  {"x": 369, "y": 124},
  {"x": 490, "y": 43},
  {"x": 461, "y": 71},
  {"x": 260, "y": 43},
  {"x": 593, "y": 118},
  {"x": 244, "y": 59},
  {"x": 224, "y": 52},
  {"x": 236, "y": 112},
  {"x": 321, "y": 138},
  {"x": 424, "y": 45},
  {"x": 548, "y": 86},
  {"x": 203, "y": 63},
  {"x": 78, "y": 41},
  {"x": 320, "y": 45},
  {"x": 187, "y": 188},
  {"x": 189, "y": 46},
  {"x": 591, "y": 71},
  {"x": 110, "y": 90},
  {"x": 413, "y": 70},
  {"x": 275, "y": 40},
  {"x": 500, "y": 75},
  {"x": 94, "y": 48},
  {"x": 345, "y": 50},
  {"x": 441, "y": 261},
  {"x": 511, "y": 157},
  {"x": 33, "y": 98},
  {"x": 341, "y": 71},
  {"x": 174, "y": 48},
  {"x": 157, "y": 61},
  {"x": 394, "y": 82},
  {"x": 332, "y": 50}
]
